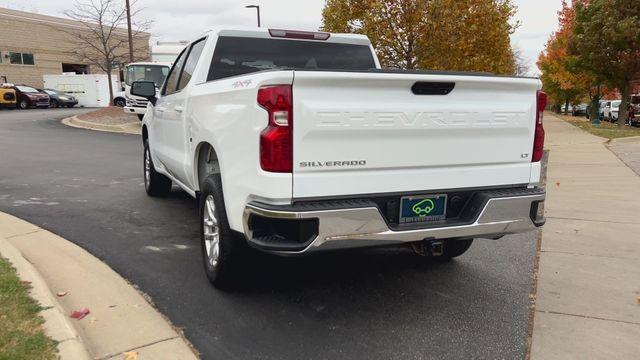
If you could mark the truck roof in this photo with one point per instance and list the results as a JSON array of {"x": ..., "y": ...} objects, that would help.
[{"x": 263, "y": 32}]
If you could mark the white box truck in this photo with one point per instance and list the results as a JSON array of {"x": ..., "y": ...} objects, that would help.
[{"x": 91, "y": 90}]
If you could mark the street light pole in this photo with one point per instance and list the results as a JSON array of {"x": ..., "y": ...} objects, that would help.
[
  {"x": 129, "y": 31},
  {"x": 257, "y": 7}
]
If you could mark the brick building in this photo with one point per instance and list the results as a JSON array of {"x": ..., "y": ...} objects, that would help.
[{"x": 32, "y": 45}]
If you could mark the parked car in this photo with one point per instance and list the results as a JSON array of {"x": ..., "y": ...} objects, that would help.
[
  {"x": 579, "y": 110},
  {"x": 7, "y": 98},
  {"x": 119, "y": 99},
  {"x": 28, "y": 97},
  {"x": 603, "y": 104},
  {"x": 611, "y": 110},
  {"x": 60, "y": 99},
  {"x": 297, "y": 142}
]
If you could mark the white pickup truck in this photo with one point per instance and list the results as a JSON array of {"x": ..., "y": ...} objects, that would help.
[{"x": 296, "y": 142}]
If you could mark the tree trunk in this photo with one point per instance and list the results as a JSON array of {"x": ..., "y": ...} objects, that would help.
[
  {"x": 109, "y": 71},
  {"x": 566, "y": 107},
  {"x": 623, "y": 110},
  {"x": 593, "y": 111}
]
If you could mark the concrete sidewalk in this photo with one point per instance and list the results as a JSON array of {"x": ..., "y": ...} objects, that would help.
[
  {"x": 120, "y": 321},
  {"x": 588, "y": 293}
]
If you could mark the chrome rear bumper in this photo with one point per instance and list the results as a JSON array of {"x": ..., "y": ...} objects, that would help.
[{"x": 362, "y": 226}]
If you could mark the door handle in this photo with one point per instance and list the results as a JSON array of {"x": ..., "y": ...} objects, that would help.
[{"x": 178, "y": 108}]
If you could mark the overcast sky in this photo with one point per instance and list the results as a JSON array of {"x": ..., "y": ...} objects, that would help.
[{"x": 185, "y": 19}]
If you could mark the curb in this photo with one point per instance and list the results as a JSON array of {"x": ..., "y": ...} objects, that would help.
[
  {"x": 56, "y": 323},
  {"x": 122, "y": 320},
  {"x": 132, "y": 128},
  {"x": 625, "y": 140}
]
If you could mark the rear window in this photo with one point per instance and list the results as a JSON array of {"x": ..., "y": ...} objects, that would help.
[{"x": 239, "y": 55}]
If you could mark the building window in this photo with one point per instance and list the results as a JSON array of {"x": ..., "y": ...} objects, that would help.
[
  {"x": 21, "y": 58},
  {"x": 75, "y": 68},
  {"x": 27, "y": 59}
]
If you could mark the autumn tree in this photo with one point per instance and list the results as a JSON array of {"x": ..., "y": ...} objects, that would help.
[
  {"x": 606, "y": 43},
  {"x": 562, "y": 81},
  {"x": 463, "y": 35},
  {"x": 102, "y": 39}
]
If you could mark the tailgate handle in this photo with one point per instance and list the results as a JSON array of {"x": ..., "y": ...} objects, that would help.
[{"x": 432, "y": 88}]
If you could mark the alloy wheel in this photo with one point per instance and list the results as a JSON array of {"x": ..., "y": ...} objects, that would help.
[
  {"x": 147, "y": 166},
  {"x": 211, "y": 231}
]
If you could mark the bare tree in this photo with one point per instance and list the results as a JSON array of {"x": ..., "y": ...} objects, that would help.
[
  {"x": 102, "y": 38},
  {"x": 522, "y": 66}
]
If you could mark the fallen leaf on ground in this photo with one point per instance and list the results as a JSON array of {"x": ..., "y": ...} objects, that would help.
[
  {"x": 80, "y": 314},
  {"x": 131, "y": 355},
  {"x": 638, "y": 300},
  {"x": 558, "y": 184},
  {"x": 61, "y": 293}
]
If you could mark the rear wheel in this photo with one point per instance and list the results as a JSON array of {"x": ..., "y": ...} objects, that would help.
[
  {"x": 155, "y": 183},
  {"x": 119, "y": 102},
  {"x": 24, "y": 104},
  {"x": 221, "y": 247}
]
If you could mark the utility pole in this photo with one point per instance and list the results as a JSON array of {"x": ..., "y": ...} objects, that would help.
[
  {"x": 129, "y": 31},
  {"x": 257, "y": 7}
]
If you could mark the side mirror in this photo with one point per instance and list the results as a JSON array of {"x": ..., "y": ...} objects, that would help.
[{"x": 145, "y": 89}]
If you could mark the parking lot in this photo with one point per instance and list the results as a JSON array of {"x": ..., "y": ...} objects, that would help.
[{"x": 383, "y": 303}]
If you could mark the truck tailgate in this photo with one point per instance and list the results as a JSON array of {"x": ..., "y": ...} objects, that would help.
[{"x": 368, "y": 133}]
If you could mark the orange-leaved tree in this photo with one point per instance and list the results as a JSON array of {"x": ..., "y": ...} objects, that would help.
[
  {"x": 462, "y": 35},
  {"x": 562, "y": 82}
]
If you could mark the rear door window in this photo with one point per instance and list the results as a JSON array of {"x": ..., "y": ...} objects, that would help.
[{"x": 235, "y": 56}]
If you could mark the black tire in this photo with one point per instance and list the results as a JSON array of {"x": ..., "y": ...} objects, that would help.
[
  {"x": 54, "y": 104},
  {"x": 119, "y": 102},
  {"x": 155, "y": 183},
  {"x": 222, "y": 271},
  {"x": 455, "y": 247},
  {"x": 24, "y": 104}
]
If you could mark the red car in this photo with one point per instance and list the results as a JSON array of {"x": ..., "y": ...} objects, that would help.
[{"x": 29, "y": 97}]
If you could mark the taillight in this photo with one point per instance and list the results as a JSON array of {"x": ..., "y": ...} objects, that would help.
[
  {"x": 276, "y": 140},
  {"x": 538, "y": 140}
]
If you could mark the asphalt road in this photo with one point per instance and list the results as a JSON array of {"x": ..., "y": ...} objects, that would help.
[{"x": 369, "y": 304}]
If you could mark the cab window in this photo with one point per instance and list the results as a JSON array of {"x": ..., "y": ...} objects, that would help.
[
  {"x": 171, "y": 85},
  {"x": 190, "y": 64}
]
